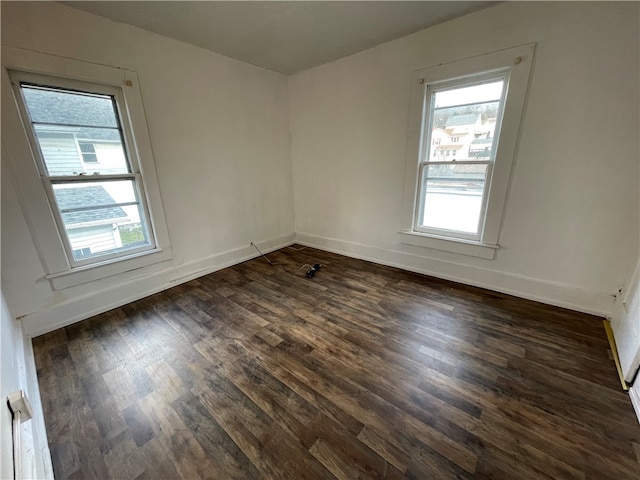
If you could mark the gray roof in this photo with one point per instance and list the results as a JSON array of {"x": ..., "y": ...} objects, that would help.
[
  {"x": 458, "y": 120},
  {"x": 90, "y": 117},
  {"x": 71, "y": 198}
]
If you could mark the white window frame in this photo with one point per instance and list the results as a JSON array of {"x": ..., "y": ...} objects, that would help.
[
  {"x": 425, "y": 161},
  {"x": 515, "y": 65},
  {"x": 36, "y": 202},
  {"x": 133, "y": 174}
]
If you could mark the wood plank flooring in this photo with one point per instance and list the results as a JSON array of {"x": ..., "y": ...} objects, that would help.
[{"x": 363, "y": 372}]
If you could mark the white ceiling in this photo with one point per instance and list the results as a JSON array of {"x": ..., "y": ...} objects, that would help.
[{"x": 286, "y": 37}]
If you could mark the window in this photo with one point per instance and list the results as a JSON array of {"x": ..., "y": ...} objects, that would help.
[
  {"x": 88, "y": 152},
  {"x": 457, "y": 199},
  {"x": 452, "y": 194},
  {"x": 87, "y": 204},
  {"x": 90, "y": 207}
]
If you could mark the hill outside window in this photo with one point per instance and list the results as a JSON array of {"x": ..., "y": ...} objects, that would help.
[{"x": 463, "y": 134}]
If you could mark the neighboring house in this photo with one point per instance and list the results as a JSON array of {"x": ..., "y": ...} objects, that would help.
[
  {"x": 447, "y": 152},
  {"x": 68, "y": 153},
  {"x": 480, "y": 148},
  {"x": 461, "y": 125},
  {"x": 90, "y": 231},
  {"x": 464, "y": 137},
  {"x": 68, "y": 148},
  {"x": 439, "y": 137}
]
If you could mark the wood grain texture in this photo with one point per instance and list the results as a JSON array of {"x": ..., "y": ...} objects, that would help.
[{"x": 363, "y": 372}]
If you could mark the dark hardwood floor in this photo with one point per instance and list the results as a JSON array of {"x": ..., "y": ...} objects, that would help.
[{"x": 364, "y": 371}]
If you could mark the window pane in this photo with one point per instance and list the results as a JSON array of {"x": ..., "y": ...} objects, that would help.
[
  {"x": 47, "y": 105},
  {"x": 484, "y": 92},
  {"x": 79, "y": 195},
  {"x": 464, "y": 122},
  {"x": 65, "y": 123},
  {"x": 62, "y": 155},
  {"x": 453, "y": 196},
  {"x": 99, "y": 217}
]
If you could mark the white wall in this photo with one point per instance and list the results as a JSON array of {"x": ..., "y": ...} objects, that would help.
[
  {"x": 219, "y": 129},
  {"x": 570, "y": 231},
  {"x": 219, "y": 133},
  {"x": 17, "y": 372}
]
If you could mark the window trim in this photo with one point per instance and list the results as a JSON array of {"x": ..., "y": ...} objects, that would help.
[
  {"x": 517, "y": 61},
  {"x": 33, "y": 198}
]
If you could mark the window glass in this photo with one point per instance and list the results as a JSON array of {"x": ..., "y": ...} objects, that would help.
[
  {"x": 62, "y": 120},
  {"x": 453, "y": 196},
  {"x": 461, "y": 115},
  {"x": 49, "y": 105}
]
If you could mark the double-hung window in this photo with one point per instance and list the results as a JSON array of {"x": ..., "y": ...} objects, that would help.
[
  {"x": 88, "y": 205},
  {"x": 464, "y": 128},
  {"x": 453, "y": 192},
  {"x": 97, "y": 199}
]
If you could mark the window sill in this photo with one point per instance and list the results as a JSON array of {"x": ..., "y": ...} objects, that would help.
[
  {"x": 89, "y": 273},
  {"x": 453, "y": 245}
]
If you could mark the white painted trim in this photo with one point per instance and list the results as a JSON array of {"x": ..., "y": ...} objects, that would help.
[
  {"x": 625, "y": 323},
  {"x": 552, "y": 293},
  {"x": 72, "y": 311},
  {"x": 544, "y": 291},
  {"x": 42, "y": 453},
  {"x": 634, "y": 395},
  {"x": 89, "y": 273},
  {"x": 454, "y": 245}
]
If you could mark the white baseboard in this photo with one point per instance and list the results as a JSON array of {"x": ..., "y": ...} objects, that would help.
[
  {"x": 80, "y": 308},
  {"x": 552, "y": 293},
  {"x": 634, "y": 395}
]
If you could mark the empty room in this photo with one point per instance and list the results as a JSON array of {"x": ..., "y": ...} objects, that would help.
[{"x": 320, "y": 240}]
